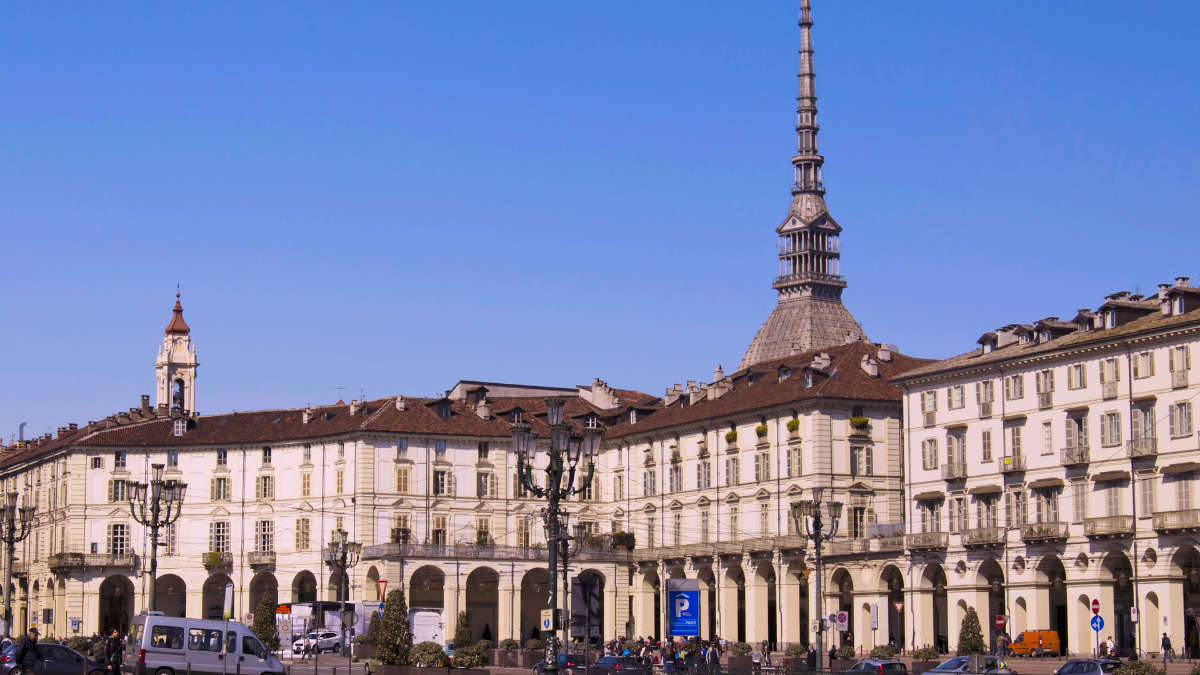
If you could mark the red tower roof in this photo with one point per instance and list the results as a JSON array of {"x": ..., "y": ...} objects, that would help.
[{"x": 177, "y": 326}]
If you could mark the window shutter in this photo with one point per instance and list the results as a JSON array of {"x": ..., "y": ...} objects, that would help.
[
  {"x": 1187, "y": 357},
  {"x": 1137, "y": 366},
  {"x": 1150, "y": 361},
  {"x": 979, "y": 392},
  {"x": 1174, "y": 420},
  {"x": 1171, "y": 359},
  {"x": 870, "y": 461}
]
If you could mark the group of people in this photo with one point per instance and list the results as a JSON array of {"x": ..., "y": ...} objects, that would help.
[{"x": 109, "y": 651}]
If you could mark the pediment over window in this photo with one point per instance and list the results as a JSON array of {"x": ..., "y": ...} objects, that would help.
[{"x": 861, "y": 487}]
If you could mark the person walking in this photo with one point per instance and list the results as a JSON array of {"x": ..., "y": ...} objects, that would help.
[
  {"x": 113, "y": 652},
  {"x": 1166, "y": 650},
  {"x": 27, "y": 654},
  {"x": 810, "y": 659},
  {"x": 756, "y": 658},
  {"x": 1111, "y": 646}
]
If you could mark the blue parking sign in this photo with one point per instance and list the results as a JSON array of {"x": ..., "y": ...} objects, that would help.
[{"x": 683, "y": 602}]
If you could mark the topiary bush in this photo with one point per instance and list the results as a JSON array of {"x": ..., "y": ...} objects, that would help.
[
  {"x": 925, "y": 653},
  {"x": 509, "y": 644},
  {"x": 395, "y": 635},
  {"x": 428, "y": 655},
  {"x": 845, "y": 652},
  {"x": 970, "y": 635},
  {"x": 462, "y": 632},
  {"x": 470, "y": 657},
  {"x": 484, "y": 644},
  {"x": 760, "y": 431},
  {"x": 740, "y": 649},
  {"x": 534, "y": 643},
  {"x": 794, "y": 650},
  {"x": 264, "y": 624},
  {"x": 1139, "y": 668},
  {"x": 883, "y": 652},
  {"x": 793, "y": 425}
]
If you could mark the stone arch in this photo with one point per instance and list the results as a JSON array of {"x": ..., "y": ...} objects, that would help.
[
  {"x": 304, "y": 587},
  {"x": 213, "y": 595},
  {"x": 535, "y": 593},
  {"x": 372, "y": 590},
  {"x": 338, "y": 587},
  {"x": 116, "y": 604},
  {"x": 1117, "y": 567},
  {"x": 483, "y": 603},
  {"x": 263, "y": 586},
  {"x": 891, "y": 581},
  {"x": 841, "y": 587},
  {"x": 426, "y": 588},
  {"x": 934, "y": 578},
  {"x": 708, "y": 601},
  {"x": 170, "y": 595},
  {"x": 1051, "y": 572},
  {"x": 587, "y": 606}
]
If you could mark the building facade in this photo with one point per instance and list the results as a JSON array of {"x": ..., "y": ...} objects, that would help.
[{"x": 1055, "y": 465}]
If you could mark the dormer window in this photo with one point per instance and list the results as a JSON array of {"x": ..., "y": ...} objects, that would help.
[
  {"x": 518, "y": 417},
  {"x": 180, "y": 427},
  {"x": 1177, "y": 305},
  {"x": 1046, "y": 336},
  {"x": 401, "y": 448},
  {"x": 443, "y": 410},
  {"x": 483, "y": 450},
  {"x": 808, "y": 380},
  {"x": 633, "y": 417},
  {"x": 988, "y": 346},
  {"x": 1110, "y": 318},
  {"x": 266, "y": 455},
  {"x": 590, "y": 422},
  {"x": 784, "y": 373},
  {"x": 1024, "y": 338}
]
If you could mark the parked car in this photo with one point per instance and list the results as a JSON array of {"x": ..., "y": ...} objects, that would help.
[
  {"x": 56, "y": 660},
  {"x": 158, "y": 645},
  {"x": 612, "y": 664},
  {"x": 564, "y": 661},
  {"x": 1088, "y": 667},
  {"x": 323, "y": 641},
  {"x": 962, "y": 664},
  {"x": 877, "y": 667},
  {"x": 1036, "y": 643}
]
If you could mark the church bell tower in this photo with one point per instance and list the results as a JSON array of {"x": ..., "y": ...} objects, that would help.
[{"x": 175, "y": 368}]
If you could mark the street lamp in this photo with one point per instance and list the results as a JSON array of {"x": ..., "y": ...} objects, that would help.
[
  {"x": 15, "y": 528},
  {"x": 806, "y": 518},
  {"x": 563, "y": 446},
  {"x": 341, "y": 556},
  {"x": 155, "y": 506}
]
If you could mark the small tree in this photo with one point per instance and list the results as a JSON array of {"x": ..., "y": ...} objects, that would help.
[
  {"x": 395, "y": 638},
  {"x": 970, "y": 636},
  {"x": 372, "y": 636},
  {"x": 462, "y": 632},
  {"x": 264, "y": 624}
]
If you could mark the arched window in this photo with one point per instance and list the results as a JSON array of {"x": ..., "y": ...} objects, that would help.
[{"x": 177, "y": 394}]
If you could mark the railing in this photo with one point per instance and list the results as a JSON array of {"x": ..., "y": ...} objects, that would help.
[
  {"x": 930, "y": 419},
  {"x": 218, "y": 559},
  {"x": 1174, "y": 521},
  {"x": 1108, "y": 526},
  {"x": 985, "y": 409},
  {"x": 954, "y": 471},
  {"x": 983, "y": 536},
  {"x": 20, "y": 569},
  {"x": 1045, "y": 400},
  {"x": 487, "y": 551},
  {"x": 1073, "y": 455},
  {"x": 1109, "y": 390},
  {"x": 1179, "y": 379},
  {"x": 1143, "y": 447},
  {"x": 261, "y": 558},
  {"x": 924, "y": 541},
  {"x": 889, "y": 543},
  {"x": 1012, "y": 464},
  {"x": 847, "y": 546},
  {"x": 1032, "y": 533},
  {"x": 67, "y": 561}
]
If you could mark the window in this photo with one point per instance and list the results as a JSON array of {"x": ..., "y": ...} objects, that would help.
[
  {"x": 218, "y": 536},
  {"x": 703, "y": 475},
  {"x": 649, "y": 483},
  {"x": 438, "y": 536},
  {"x": 985, "y": 392},
  {"x": 341, "y": 450},
  {"x": 1014, "y": 439},
  {"x": 266, "y": 455},
  {"x": 339, "y": 523},
  {"x": 985, "y": 510},
  {"x": 589, "y": 489},
  {"x": 401, "y": 448},
  {"x": 219, "y": 489},
  {"x": 1183, "y": 491},
  {"x": 524, "y": 533},
  {"x": 1076, "y": 376},
  {"x": 1143, "y": 365},
  {"x": 861, "y": 461},
  {"x": 171, "y": 544},
  {"x": 116, "y": 491},
  {"x": 762, "y": 467},
  {"x": 958, "y": 514},
  {"x": 1110, "y": 370},
  {"x": 929, "y": 453},
  {"x": 677, "y": 528},
  {"x": 1143, "y": 422},
  {"x": 303, "y": 534},
  {"x": 1181, "y": 419},
  {"x": 173, "y": 458},
  {"x": 264, "y": 536},
  {"x": 1077, "y": 436},
  {"x": 179, "y": 427},
  {"x": 402, "y": 479},
  {"x": 1110, "y": 429},
  {"x": 483, "y": 449},
  {"x": 222, "y": 457},
  {"x": 794, "y": 462},
  {"x": 764, "y": 519},
  {"x": 306, "y": 456},
  {"x": 675, "y": 478},
  {"x": 704, "y": 525},
  {"x": 339, "y": 481},
  {"x": 1179, "y": 359},
  {"x": 306, "y": 484},
  {"x": 733, "y": 471},
  {"x": 264, "y": 488},
  {"x": 1112, "y": 498},
  {"x": 956, "y": 448},
  {"x": 1047, "y": 438},
  {"x": 619, "y": 486},
  {"x": 931, "y": 515},
  {"x": 483, "y": 531},
  {"x": 985, "y": 445},
  {"x": 97, "y": 462},
  {"x": 955, "y": 397},
  {"x": 1079, "y": 497},
  {"x": 441, "y": 483},
  {"x": 1014, "y": 387},
  {"x": 651, "y": 526},
  {"x": 1045, "y": 381},
  {"x": 118, "y": 539},
  {"x": 1147, "y": 489},
  {"x": 170, "y": 637},
  {"x": 443, "y": 410},
  {"x": 485, "y": 484},
  {"x": 1047, "y": 505},
  {"x": 204, "y": 640},
  {"x": 928, "y": 401},
  {"x": 1017, "y": 507},
  {"x": 439, "y": 449},
  {"x": 119, "y": 459},
  {"x": 735, "y": 529}
]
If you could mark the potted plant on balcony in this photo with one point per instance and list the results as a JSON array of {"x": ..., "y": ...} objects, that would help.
[
  {"x": 212, "y": 560},
  {"x": 731, "y": 438},
  {"x": 623, "y": 541},
  {"x": 761, "y": 432},
  {"x": 860, "y": 424},
  {"x": 793, "y": 427}
]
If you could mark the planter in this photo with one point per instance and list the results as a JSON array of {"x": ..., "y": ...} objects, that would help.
[
  {"x": 794, "y": 664},
  {"x": 505, "y": 658},
  {"x": 363, "y": 650},
  {"x": 919, "y": 667}
]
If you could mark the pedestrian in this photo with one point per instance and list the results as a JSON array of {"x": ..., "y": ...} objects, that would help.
[
  {"x": 1166, "y": 650},
  {"x": 113, "y": 652},
  {"x": 766, "y": 654},
  {"x": 832, "y": 655},
  {"x": 810, "y": 659},
  {"x": 756, "y": 658},
  {"x": 27, "y": 654},
  {"x": 1112, "y": 647}
]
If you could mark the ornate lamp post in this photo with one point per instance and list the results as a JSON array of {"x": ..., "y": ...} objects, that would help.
[
  {"x": 155, "y": 506},
  {"x": 806, "y": 516},
  {"x": 563, "y": 455},
  {"x": 341, "y": 556},
  {"x": 14, "y": 528}
]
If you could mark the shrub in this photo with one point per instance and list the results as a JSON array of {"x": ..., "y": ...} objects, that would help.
[
  {"x": 845, "y": 652},
  {"x": 731, "y": 436},
  {"x": 1138, "y": 668},
  {"x": 484, "y": 644},
  {"x": 794, "y": 650},
  {"x": 470, "y": 657},
  {"x": 740, "y": 649},
  {"x": 970, "y": 635},
  {"x": 925, "y": 653},
  {"x": 78, "y": 643},
  {"x": 624, "y": 539},
  {"x": 793, "y": 425},
  {"x": 883, "y": 652},
  {"x": 509, "y": 644},
  {"x": 860, "y": 422},
  {"x": 372, "y": 636},
  {"x": 395, "y": 635},
  {"x": 264, "y": 624},
  {"x": 428, "y": 655},
  {"x": 534, "y": 643},
  {"x": 462, "y": 632},
  {"x": 760, "y": 431}
]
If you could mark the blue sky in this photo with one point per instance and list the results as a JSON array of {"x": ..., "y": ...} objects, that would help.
[{"x": 388, "y": 197}]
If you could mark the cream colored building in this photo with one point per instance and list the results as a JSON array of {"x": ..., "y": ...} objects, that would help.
[{"x": 1056, "y": 464}]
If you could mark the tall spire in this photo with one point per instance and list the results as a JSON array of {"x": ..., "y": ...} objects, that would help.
[
  {"x": 810, "y": 314},
  {"x": 177, "y": 326}
]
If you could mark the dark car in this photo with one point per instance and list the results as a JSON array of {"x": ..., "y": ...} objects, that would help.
[
  {"x": 611, "y": 664},
  {"x": 55, "y": 660},
  {"x": 877, "y": 667},
  {"x": 565, "y": 661},
  {"x": 1087, "y": 667},
  {"x": 962, "y": 664}
]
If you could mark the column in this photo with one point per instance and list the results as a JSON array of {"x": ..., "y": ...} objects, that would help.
[
  {"x": 878, "y": 636},
  {"x": 643, "y": 603},
  {"x": 757, "y": 606},
  {"x": 1037, "y": 606},
  {"x": 787, "y": 585},
  {"x": 1079, "y": 597},
  {"x": 452, "y": 602},
  {"x": 610, "y": 629},
  {"x": 921, "y": 602},
  {"x": 507, "y": 612},
  {"x": 727, "y": 599}
]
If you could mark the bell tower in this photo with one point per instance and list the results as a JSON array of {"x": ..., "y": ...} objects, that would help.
[{"x": 175, "y": 367}]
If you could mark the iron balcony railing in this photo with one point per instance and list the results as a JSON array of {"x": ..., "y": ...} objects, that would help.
[
  {"x": 1109, "y": 390},
  {"x": 1177, "y": 521},
  {"x": 1045, "y": 400},
  {"x": 487, "y": 551},
  {"x": 261, "y": 558},
  {"x": 1179, "y": 379},
  {"x": 69, "y": 561},
  {"x": 983, "y": 536},
  {"x": 1108, "y": 526},
  {"x": 954, "y": 471},
  {"x": 1143, "y": 447},
  {"x": 985, "y": 409},
  {"x": 1033, "y": 533},
  {"x": 1073, "y": 455},
  {"x": 1012, "y": 464},
  {"x": 930, "y": 419},
  {"x": 926, "y": 541}
]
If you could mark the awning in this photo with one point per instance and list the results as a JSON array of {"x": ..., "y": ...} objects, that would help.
[
  {"x": 931, "y": 494},
  {"x": 1104, "y": 476},
  {"x": 985, "y": 490},
  {"x": 1046, "y": 483}
]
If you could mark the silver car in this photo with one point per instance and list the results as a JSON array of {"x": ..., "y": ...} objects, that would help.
[{"x": 323, "y": 641}]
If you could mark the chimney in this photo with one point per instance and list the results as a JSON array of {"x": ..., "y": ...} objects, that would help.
[
  {"x": 822, "y": 361},
  {"x": 73, "y": 426},
  {"x": 62, "y": 431},
  {"x": 870, "y": 366},
  {"x": 146, "y": 404},
  {"x": 673, "y": 393},
  {"x": 1164, "y": 303},
  {"x": 718, "y": 373},
  {"x": 1182, "y": 282},
  {"x": 483, "y": 409},
  {"x": 885, "y": 353},
  {"x": 354, "y": 406},
  {"x": 306, "y": 415}
]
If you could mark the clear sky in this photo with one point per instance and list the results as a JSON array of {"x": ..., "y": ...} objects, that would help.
[{"x": 388, "y": 197}]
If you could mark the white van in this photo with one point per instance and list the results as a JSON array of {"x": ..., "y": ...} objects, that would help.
[{"x": 167, "y": 645}]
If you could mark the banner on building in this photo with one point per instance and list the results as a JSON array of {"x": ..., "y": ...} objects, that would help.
[{"x": 683, "y": 607}]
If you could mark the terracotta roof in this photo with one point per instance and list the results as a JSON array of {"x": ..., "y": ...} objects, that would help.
[
  {"x": 177, "y": 326},
  {"x": 976, "y": 357},
  {"x": 846, "y": 380}
]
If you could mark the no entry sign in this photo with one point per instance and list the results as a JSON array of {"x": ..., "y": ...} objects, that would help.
[
  {"x": 1000, "y": 621},
  {"x": 1095, "y": 605}
]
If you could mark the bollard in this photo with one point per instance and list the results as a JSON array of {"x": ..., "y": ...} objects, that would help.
[{"x": 189, "y": 668}]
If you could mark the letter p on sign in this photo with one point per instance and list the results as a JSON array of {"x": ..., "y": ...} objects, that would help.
[{"x": 681, "y": 605}]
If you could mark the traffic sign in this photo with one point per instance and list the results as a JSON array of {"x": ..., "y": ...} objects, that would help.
[
  {"x": 899, "y": 604},
  {"x": 874, "y": 616},
  {"x": 843, "y": 621},
  {"x": 283, "y": 609},
  {"x": 1000, "y": 621},
  {"x": 548, "y": 621},
  {"x": 1097, "y": 623},
  {"x": 1096, "y": 606},
  {"x": 1133, "y": 614}
]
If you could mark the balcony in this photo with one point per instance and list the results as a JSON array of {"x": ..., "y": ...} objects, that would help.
[
  {"x": 20, "y": 569},
  {"x": 261, "y": 559},
  {"x": 1177, "y": 521},
  {"x": 218, "y": 560},
  {"x": 954, "y": 471},
  {"x": 1045, "y": 400},
  {"x": 1108, "y": 526},
  {"x": 1109, "y": 390},
  {"x": 61, "y": 563},
  {"x": 1012, "y": 464},
  {"x": 1179, "y": 379},
  {"x": 983, "y": 537},
  {"x": 930, "y": 418},
  {"x": 1143, "y": 447},
  {"x": 1043, "y": 533},
  {"x": 487, "y": 551},
  {"x": 985, "y": 409},
  {"x": 1073, "y": 455},
  {"x": 926, "y": 541}
]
